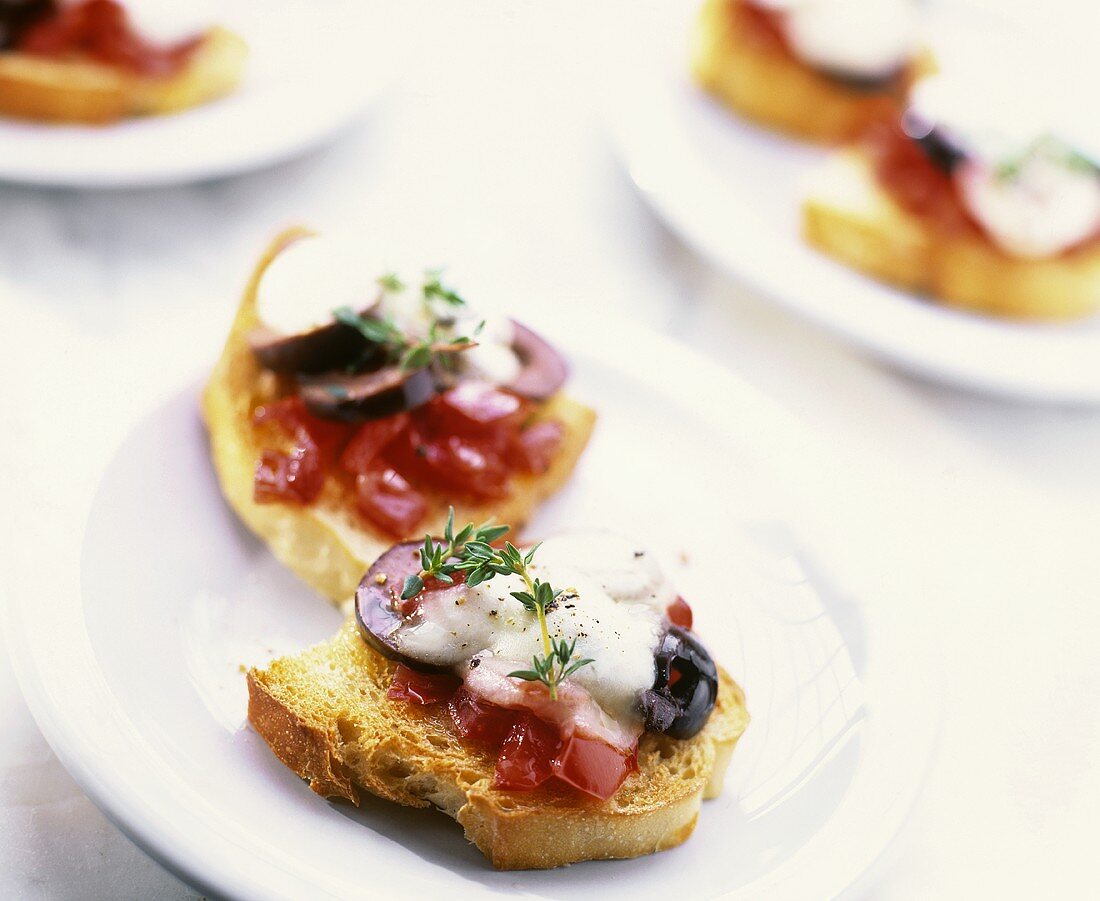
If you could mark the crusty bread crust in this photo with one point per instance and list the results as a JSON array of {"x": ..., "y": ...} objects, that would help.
[
  {"x": 849, "y": 216},
  {"x": 73, "y": 90},
  {"x": 325, "y": 714},
  {"x": 778, "y": 91},
  {"x": 326, "y": 543}
]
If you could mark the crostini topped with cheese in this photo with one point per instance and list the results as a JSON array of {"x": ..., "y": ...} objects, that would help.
[
  {"x": 818, "y": 69},
  {"x": 353, "y": 403},
  {"x": 978, "y": 200},
  {"x": 560, "y": 679}
]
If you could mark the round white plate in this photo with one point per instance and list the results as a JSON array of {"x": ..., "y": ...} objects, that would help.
[
  {"x": 733, "y": 191},
  {"x": 312, "y": 68},
  {"x": 136, "y": 679}
]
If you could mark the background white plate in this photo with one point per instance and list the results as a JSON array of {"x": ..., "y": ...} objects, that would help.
[
  {"x": 732, "y": 191},
  {"x": 312, "y": 68},
  {"x": 135, "y": 676}
]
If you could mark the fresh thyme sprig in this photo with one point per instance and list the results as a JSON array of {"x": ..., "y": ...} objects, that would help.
[
  {"x": 440, "y": 561},
  {"x": 472, "y": 552},
  {"x": 434, "y": 288},
  {"x": 407, "y": 353}
]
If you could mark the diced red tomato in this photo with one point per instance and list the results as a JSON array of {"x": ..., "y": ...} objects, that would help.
[
  {"x": 476, "y": 720},
  {"x": 534, "y": 447},
  {"x": 469, "y": 441},
  {"x": 476, "y": 408},
  {"x": 421, "y": 688},
  {"x": 526, "y": 757},
  {"x": 291, "y": 414},
  {"x": 101, "y": 30},
  {"x": 593, "y": 767},
  {"x": 679, "y": 613},
  {"x": 368, "y": 442},
  {"x": 389, "y": 501},
  {"x": 297, "y": 477}
]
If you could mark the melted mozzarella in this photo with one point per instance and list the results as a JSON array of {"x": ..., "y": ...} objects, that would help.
[
  {"x": 862, "y": 38},
  {"x": 1048, "y": 201},
  {"x": 318, "y": 274},
  {"x": 1043, "y": 209},
  {"x": 311, "y": 278},
  {"x": 613, "y": 603}
]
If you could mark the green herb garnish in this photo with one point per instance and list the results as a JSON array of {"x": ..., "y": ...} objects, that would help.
[
  {"x": 399, "y": 347},
  {"x": 471, "y": 551},
  {"x": 434, "y": 288},
  {"x": 390, "y": 282}
]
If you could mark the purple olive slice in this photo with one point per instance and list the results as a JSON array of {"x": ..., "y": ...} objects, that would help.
[
  {"x": 680, "y": 708},
  {"x": 331, "y": 346},
  {"x": 543, "y": 370},
  {"x": 367, "y": 395},
  {"x": 378, "y": 603}
]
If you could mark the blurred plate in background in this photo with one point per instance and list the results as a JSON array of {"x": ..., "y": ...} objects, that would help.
[
  {"x": 311, "y": 70},
  {"x": 732, "y": 191}
]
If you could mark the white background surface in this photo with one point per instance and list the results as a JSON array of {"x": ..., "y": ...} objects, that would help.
[{"x": 493, "y": 144}]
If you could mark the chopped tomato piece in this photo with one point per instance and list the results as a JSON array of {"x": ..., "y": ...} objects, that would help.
[
  {"x": 421, "y": 688},
  {"x": 534, "y": 448},
  {"x": 367, "y": 443},
  {"x": 593, "y": 767},
  {"x": 679, "y": 613},
  {"x": 476, "y": 408},
  {"x": 389, "y": 501},
  {"x": 291, "y": 414},
  {"x": 101, "y": 30},
  {"x": 480, "y": 721},
  {"x": 297, "y": 477},
  {"x": 526, "y": 757},
  {"x": 452, "y": 463}
]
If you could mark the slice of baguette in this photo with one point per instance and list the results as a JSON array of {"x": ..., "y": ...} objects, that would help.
[
  {"x": 325, "y": 714},
  {"x": 327, "y": 543},
  {"x": 778, "y": 91},
  {"x": 848, "y": 215},
  {"x": 81, "y": 91}
]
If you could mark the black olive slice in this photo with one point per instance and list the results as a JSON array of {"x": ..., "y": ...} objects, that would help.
[
  {"x": 543, "y": 370},
  {"x": 367, "y": 395},
  {"x": 378, "y": 601},
  {"x": 680, "y": 708},
  {"x": 331, "y": 346}
]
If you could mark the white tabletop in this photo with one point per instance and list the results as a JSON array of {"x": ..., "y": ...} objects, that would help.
[{"x": 492, "y": 148}]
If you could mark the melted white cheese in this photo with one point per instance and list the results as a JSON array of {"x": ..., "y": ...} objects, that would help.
[
  {"x": 861, "y": 38},
  {"x": 311, "y": 278},
  {"x": 613, "y": 603},
  {"x": 1043, "y": 209},
  {"x": 1048, "y": 199},
  {"x": 318, "y": 274}
]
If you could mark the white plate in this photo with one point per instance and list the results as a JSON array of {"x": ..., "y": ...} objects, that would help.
[
  {"x": 732, "y": 191},
  {"x": 312, "y": 68},
  {"x": 135, "y": 679}
]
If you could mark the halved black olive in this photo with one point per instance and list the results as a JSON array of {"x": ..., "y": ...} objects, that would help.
[
  {"x": 686, "y": 688},
  {"x": 378, "y": 602},
  {"x": 330, "y": 347},
  {"x": 543, "y": 369},
  {"x": 367, "y": 395}
]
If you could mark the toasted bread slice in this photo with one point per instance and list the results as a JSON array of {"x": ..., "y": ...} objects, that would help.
[
  {"x": 73, "y": 90},
  {"x": 769, "y": 86},
  {"x": 327, "y": 543},
  {"x": 848, "y": 215},
  {"x": 325, "y": 714}
]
